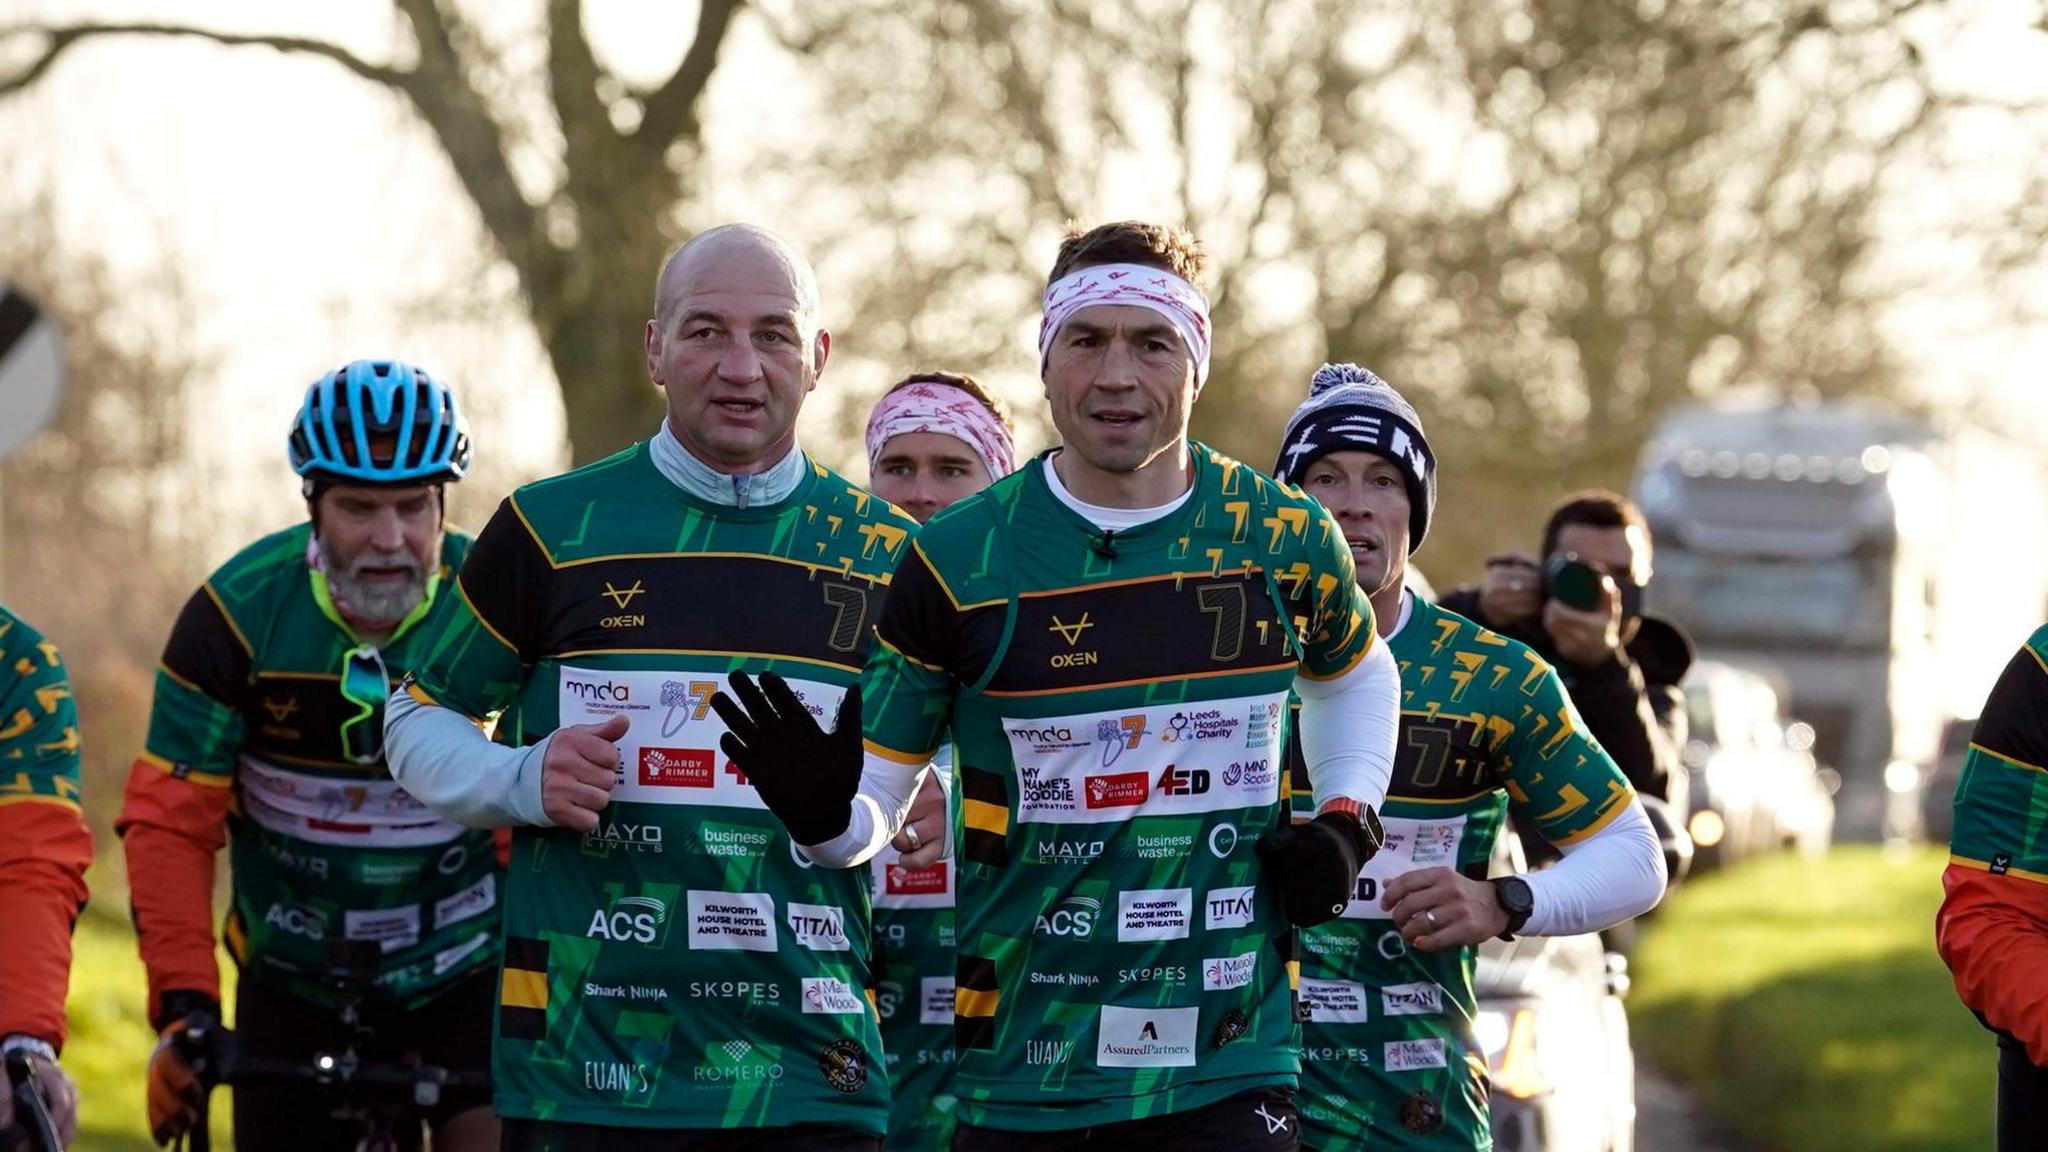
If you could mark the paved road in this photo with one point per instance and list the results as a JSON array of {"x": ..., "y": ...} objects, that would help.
[{"x": 1667, "y": 1119}]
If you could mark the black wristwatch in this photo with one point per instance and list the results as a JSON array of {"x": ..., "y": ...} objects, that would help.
[{"x": 1514, "y": 897}]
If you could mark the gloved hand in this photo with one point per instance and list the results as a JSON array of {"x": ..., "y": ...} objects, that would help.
[
  {"x": 1314, "y": 866},
  {"x": 184, "y": 1064},
  {"x": 32, "y": 1069},
  {"x": 805, "y": 775}
]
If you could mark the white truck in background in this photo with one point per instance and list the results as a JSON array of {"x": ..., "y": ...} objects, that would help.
[{"x": 1881, "y": 567}]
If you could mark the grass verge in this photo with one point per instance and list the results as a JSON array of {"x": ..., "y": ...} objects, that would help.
[{"x": 1803, "y": 1002}]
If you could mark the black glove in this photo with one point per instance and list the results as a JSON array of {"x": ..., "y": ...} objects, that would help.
[
  {"x": 805, "y": 775},
  {"x": 1314, "y": 866}
]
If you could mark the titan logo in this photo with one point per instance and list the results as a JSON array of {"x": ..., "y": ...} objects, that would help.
[
  {"x": 1071, "y": 633},
  {"x": 279, "y": 713},
  {"x": 623, "y": 596}
]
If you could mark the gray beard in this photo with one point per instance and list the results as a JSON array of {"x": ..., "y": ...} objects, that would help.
[{"x": 377, "y": 600}]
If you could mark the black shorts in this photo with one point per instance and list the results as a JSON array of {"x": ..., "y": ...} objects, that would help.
[
  {"x": 546, "y": 1136},
  {"x": 1262, "y": 1120},
  {"x": 452, "y": 1031}
]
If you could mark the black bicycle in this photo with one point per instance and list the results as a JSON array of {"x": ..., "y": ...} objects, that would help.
[
  {"x": 32, "y": 1130},
  {"x": 384, "y": 1101}
]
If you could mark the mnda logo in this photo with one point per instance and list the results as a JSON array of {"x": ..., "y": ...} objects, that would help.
[{"x": 631, "y": 920}]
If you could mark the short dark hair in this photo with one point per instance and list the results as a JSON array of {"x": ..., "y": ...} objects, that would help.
[
  {"x": 965, "y": 383},
  {"x": 1594, "y": 508},
  {"x": 1169, "y": 249}
]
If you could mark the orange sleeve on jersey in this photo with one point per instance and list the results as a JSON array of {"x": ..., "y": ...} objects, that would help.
[
  {"x": 1992, "y": 932},
  {"x": 44, "y": 850},
  {"x": 170, "y": 830}
]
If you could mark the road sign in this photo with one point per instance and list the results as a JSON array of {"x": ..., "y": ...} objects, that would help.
[{"x": 31, "y": 369}]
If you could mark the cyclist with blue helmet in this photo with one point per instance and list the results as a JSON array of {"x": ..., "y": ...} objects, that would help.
[{"x": 267, "y": 735}]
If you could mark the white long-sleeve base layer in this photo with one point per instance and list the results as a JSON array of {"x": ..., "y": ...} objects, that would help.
[{"x": 1613, "y": 875}]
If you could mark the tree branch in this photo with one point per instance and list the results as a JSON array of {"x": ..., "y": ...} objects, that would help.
[
  {"x": 573, "y": 75},
  {"x": 62, "y": 39},
  {"x": 671, "y": 110}
]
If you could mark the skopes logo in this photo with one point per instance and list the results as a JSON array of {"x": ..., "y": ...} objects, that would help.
[
  {"x": 1222, "y": 973},
  {"x": 1073, "y": 917},
  {"x": 1228, "y": 908},
  {"x": 598, "y": 691},
  {"x": 1065, "y": 851},
  {"x": 1177, "y": 781},
  {"x": 1122, "y": 790},
  {"x": 831, "y": 996},
  {"x": 296, "y": 921},
  {"x": 819, "y": 927},
  {"x": 1412, "y": 1000},
  {"x": 631, "y": 920},
  {"x": 1335, "y": 1055},
  {"x": 613, "y": 837},
  {"x": 676, "y": 767},
  {"x": 751, "y": 991}
]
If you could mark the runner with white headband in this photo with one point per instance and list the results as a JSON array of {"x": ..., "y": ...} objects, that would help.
[
  {"x": 933, "y": 439},
  {"x": 1109, "y": 639}
]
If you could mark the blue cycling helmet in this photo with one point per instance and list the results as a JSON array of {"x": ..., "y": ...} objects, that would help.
[{"x": 379, "y": 422}]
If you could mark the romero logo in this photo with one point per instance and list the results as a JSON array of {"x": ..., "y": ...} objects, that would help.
[
  {"x": 676, "y": 768},
  {"x": 1123, "y": 790}
]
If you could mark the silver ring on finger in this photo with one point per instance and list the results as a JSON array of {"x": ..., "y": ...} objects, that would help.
[
  {"x": 1429, "y": 914},
  {"x": 910, "y": 834}
]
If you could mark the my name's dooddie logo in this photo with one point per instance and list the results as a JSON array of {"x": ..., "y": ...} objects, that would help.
[{"x": 631, "y": 920}]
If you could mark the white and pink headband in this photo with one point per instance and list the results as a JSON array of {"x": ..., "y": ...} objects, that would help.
[
  {"x": 928, "y": 406},
  {"x": 1139, "y": 285}
]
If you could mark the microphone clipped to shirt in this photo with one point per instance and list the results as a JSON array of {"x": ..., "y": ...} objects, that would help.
[{"x": 1104, "y": 545}]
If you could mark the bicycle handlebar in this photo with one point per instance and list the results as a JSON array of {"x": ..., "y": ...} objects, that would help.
[{"x": 31, "y": 1115}]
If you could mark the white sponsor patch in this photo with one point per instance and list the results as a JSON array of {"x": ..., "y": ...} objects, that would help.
[
  {"x": 1164, "y": 760},
  {"x": 1154, "y": 914},
  {"x": 935, "y": 1000},
  {"x": 831, "y": 996},
  {"x": 743, "y": 921},
  {"x": 391, "y": 928},
  {"x": 1334, "y": 1001},
  {"x": 670, "y": 754},
  {"x": 1412, "y": 1000},
  {"x": 474, "y": 900},
  {"x": 1146, "y": 1037},
  {"x": 1410, "y": 1055},
  {"x": 1221, "y": 973},
  {"x": 1227, "y": 908},
  {"x": 819, "y": 927},
  {"x": 1411, "y": 844},
  {"x": 360, "y": 812},
  {"x": 448, "y": 958}
]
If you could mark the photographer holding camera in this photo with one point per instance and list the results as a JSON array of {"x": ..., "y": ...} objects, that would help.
[{"x": 1581, "y": 607}]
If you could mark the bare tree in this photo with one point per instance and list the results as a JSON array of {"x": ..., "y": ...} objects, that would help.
[
  {"x": 1547, "y": 221},
  {"x": 587, "y": 243}
]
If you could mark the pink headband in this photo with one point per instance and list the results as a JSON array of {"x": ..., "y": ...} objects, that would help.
[
  {"x": 1140, "y": 285},
  {"x": 931, "y": 407}
]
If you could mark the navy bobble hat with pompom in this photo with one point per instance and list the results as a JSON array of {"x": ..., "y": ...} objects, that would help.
[{"x": 1350, "y": 409}]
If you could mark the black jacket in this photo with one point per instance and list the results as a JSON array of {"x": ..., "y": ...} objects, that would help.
[{"x": 1632, "y": 703}]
